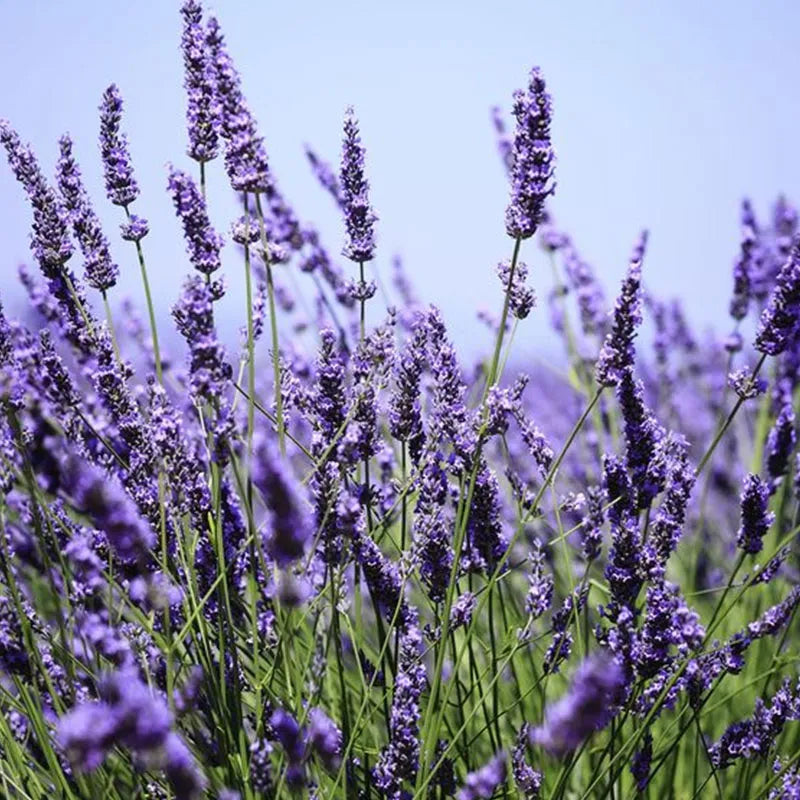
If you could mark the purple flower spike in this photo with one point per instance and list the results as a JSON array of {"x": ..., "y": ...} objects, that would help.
[
  {"x": 203, "y": 243},
  {"x": 527, "y": 779},
  {"x": 326, "y": 176},
  {"x": 359, "y": 216},
  {"x": 135, "y": 229},
  {"x": 194, "y": 317},
  {"x": 109, "y": 508},
  {"x": 521, "y": 298},
  {"x": 400, "y": 760},
  {"x": 290, "y": 522},
  {"x": 50, "y": 241},
  {"x": 101, "y": 271},
  {"x": 121, "y": 186},
  {"x": 533, "y": 159},
  {"x": 203, "y": 111},
  {"x": 618, "y": 351},
  {"x": 325, "y": 738},
  {"x": 780, "y": 443},
  {"x": 481, "y": 784},
  {"x": 756, "y": 517},
  {"x": 245, "y": 156},
  {"x": 780, "y": 320},
  {"x": 587, "y": 707}
]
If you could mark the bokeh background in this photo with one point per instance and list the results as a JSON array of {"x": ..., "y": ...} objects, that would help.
[{"x": 666, "y": 115}]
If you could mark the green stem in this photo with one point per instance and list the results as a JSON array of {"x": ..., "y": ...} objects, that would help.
[
  {"x": 150, "y": 310},
  {"x": 273, "y": 324}
]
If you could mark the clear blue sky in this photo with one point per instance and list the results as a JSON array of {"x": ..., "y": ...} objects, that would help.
[{"x": 666, "y": 114}]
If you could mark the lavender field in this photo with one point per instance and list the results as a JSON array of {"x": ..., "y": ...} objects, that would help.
[{"x": 335, "y": 559}]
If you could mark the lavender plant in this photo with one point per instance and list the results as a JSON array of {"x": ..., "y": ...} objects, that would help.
[{"x": 371, "y": 570}]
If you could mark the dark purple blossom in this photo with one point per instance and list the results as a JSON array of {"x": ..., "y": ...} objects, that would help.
[
  {"x": 14, "y": 659},
  {"x": 533, "y": 159},
  {"x": 642, "y": 436},
  {"x": 521, "y": 298},
  {"x": 260, "y": 767},
  {"x": 382, "y": 576},
  {"x": 399, "y": 761},
  {"x": 780, "y": 443},
  {"x": 194, "y": 317},
  {"x": 135, "y": 229},
  {"x": 588, "y": 706},
  {"x": 449, "y": 417},
  {"x": 540, "y": 584},
  {"x": 324, "y": 738},
  {"x": 780, "y": 320},
  {"x": 203, "y": 243},
  {"x": 109, "y": 508},
  {"x": 130, "y": 715},
  {"x": 289, "y": 522},
  {"x": 618, "y": 352},
  {"x": 640, "y": 765},
  {"x": 745, "y": 384},
  {"x": 481, "y": 784},
  {"x": 592, "y": 523},
  {"x": 485, "y": 525},
  {"x": 121, "y": 186},
  {"x": 292, "y": 738},
  {"x": 203, "y": 108},
  {"x": 101, "y": 271},
  {"x": 756, "y": 516},
  {"x": 462, "y": 610},
  {"x": 589, "y": 293},
  {"x": 527, "y": 779},
  {"x": 755, "y": 736},
  {"x": 622, "y": 571},
  {"x": 671, "y": 515},
  {"x": 245, "y": 157},
  {"x": 326, "y": 176},
  {"x": 405, "y": 417},
  {"x": 433, "y": 531},
  {"x": 742, "y": 269},
  {"x": 359, "y": 216},
  {"x": 51, "y": 247}
]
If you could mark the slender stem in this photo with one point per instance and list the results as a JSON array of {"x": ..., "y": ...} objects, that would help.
[
  {"x": 251, "y": 365},
  {"x": 362, "y": 304},
  {"x": 725, "y": 425},
  {"x": 491, "y": 377},
  {"x": 150, "y": 310},
  {"x": 273, "y": 324},
  {"x": 111, "y": 331}
]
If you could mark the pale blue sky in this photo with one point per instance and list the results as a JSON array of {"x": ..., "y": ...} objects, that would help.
[{"x": 666, "y": 114}]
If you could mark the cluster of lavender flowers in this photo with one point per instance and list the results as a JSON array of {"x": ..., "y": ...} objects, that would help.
[{"x": 368, "y": 570}]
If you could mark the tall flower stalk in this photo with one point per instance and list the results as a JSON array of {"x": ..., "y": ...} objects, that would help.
[{"x": 122, "y": 189}]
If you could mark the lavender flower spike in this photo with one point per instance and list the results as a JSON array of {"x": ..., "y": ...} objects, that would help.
[
  {"x": 780, "y": 320},
  {"x": 756, "y": 517},
  {"x": 533, "y": 160},
  {"x": 618, "y": 352},
  {"x": 290, "y": 524},
  {"x": 203, "y": 243},
  {"x": 359, "y": 216},
  {"x": 50, "y": 241},
  {"x": 203, "y": 111},
  {"x": 481, "y": 784},
  {"x": 588, "y": 706},
  {"x": 121, "y": 186},
  {"x": 245, "y": 157},
  {"x": 101, "y": 271},
  {"x": 400, "y": 760}
]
